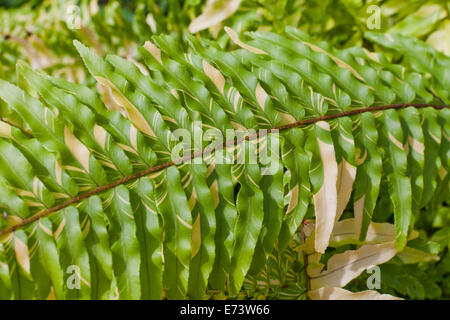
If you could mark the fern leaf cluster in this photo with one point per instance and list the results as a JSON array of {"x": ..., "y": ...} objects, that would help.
[{"x": 78, "y": 208}]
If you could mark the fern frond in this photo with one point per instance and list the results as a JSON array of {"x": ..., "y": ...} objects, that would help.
[{"x": 99, "y": 186}]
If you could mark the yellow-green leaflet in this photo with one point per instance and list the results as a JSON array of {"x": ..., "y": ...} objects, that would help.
[
  {"x": 342, "y": 294},
  {"x": 214, "y": 12},
  {"x": 344, "y": 267}
]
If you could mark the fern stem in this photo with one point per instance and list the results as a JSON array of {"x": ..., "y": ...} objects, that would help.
[
  {"x": 163, "y": 166},
  {"x": 23, "y": 130}
]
